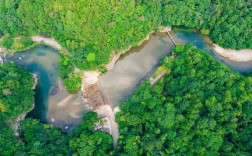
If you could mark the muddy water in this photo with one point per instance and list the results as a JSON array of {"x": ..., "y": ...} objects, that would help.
[{"x": 53, "y": 104}]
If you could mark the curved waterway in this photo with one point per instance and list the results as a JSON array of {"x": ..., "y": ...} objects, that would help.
[
  {"x": 141, "y": 62},
  {"x": 53, "y": 104},
  {"x": 184, "y": 36}
]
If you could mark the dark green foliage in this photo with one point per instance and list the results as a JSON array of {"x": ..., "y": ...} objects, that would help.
[
  {"x": 9, "y": 143},
  {"x": 85, "y": 142},
  {"x": 88, "y": 125},
  {"x": 9, "y": 21},
  {"x": 21, "y": 44},
  {"x": 200, "y": 108},
  {"x": 43, "y": 139},
  {"x": 73, "y": 83},
  {"x": 26, "y": 41},
  {"x": 12, "y": 45},
  {"x": 107, "y": 26},
  {"x": 98, "y": 143},
  {"x": 65, "y": 67},
  {"x": 7, "y": 41},
  {"x": 16, "y": 94},
  {"x": 100, "y": 27},
  {"x": 229, "y": 23},
  {"x": 16, "y": 98}
]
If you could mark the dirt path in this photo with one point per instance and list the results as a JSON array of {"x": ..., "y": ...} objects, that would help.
[
  {"x": 154, "y": 80},
  {"x": 235, "y": 55}
]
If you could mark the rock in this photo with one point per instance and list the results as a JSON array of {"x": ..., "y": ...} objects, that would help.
[
  {"x": 54, "y": 91},
  {"x": 68, "y": 127}
]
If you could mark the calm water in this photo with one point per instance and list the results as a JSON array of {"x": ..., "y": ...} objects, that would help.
[
  {"x": 53, "y": 104},
  {"x": 139, "y": 63},
  {"x": 184, "y": 36}
]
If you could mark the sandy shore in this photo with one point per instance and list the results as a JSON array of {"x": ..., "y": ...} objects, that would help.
[
  {"x": 234, "y": 55},
  {"x": 48, "y": 41},
  {"x": 116, "y": 57}
]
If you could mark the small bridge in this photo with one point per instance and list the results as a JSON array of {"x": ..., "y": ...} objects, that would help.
[{"x": 167, "y": 32}]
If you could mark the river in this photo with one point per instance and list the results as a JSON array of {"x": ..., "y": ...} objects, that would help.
[
  {"x": 141, "y": 62},
  {"x": 54, "y": 105}
]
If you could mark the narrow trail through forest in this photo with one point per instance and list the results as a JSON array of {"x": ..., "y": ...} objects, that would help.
[{"x": 154, "y": 80}]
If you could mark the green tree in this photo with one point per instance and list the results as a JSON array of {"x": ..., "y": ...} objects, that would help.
[{"x": 7, "y": 41}]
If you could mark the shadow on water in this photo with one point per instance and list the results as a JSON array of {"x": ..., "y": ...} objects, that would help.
[
  {"x": 53, "y": 104},
  {"x": 41, "y": 92}
]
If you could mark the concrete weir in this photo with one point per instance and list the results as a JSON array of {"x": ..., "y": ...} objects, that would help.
[{"x": 96, "y": 99}]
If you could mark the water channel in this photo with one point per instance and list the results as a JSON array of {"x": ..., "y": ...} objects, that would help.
[{"x": 54, "y": 105}]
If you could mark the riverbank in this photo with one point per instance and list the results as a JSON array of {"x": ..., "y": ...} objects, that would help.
[
  {"x": 15, "y": 125},
  {"x": 116, "y": 56},
  {"x": 243, "y": 55},
  {"x": 38, "y": 40}
]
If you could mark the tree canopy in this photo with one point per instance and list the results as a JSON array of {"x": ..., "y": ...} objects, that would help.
[
  {"x": 200, "y": 107},
  {"x": 101, "y": 27},
  {"x": 16, "y": 94}
]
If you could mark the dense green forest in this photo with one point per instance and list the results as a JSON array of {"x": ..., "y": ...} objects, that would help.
[
  {"x": 21, "y": 44},
  {"x": 200, "y": 107},
  {"x": 16, "y": 94},
  {"x": 228, "y": 22},
  {"x": 35, "y": 138},
  {"x": 89, "y": 28},
  {"x": 43, "y": 139}
]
